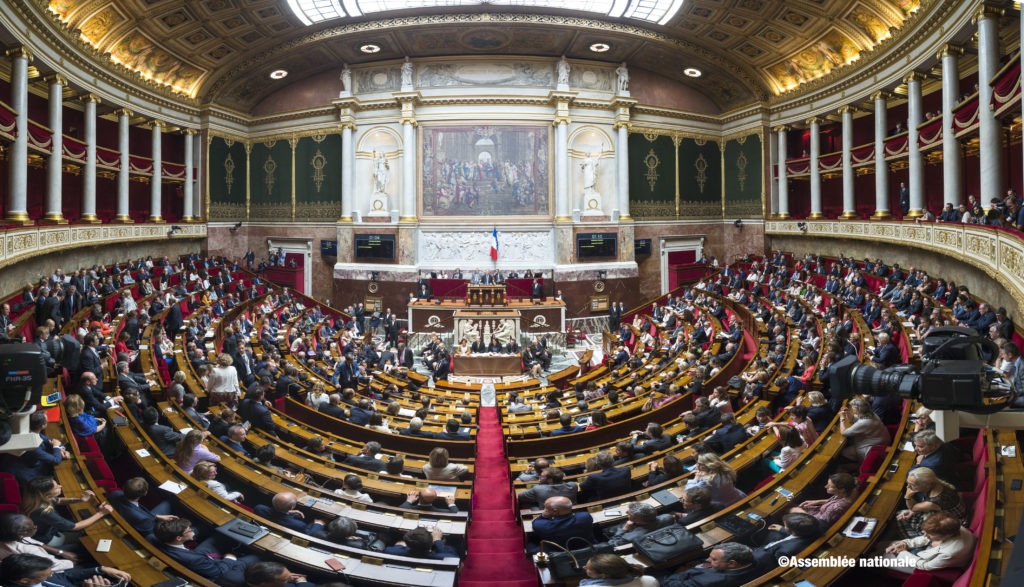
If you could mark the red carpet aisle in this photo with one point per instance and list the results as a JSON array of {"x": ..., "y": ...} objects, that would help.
[{"x": 495, "y": 540}]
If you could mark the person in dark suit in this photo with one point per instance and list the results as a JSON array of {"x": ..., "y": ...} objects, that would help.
[
  {"x": 282, "y": 511},
  {"x": 227, "y": 571},
  {"x": 273, "y": 574},
  {"x": 140, "y": 517},
  {"x": 904, "y": 199},
  {"x": 797, "y": 532},
  {"x": 614, "y": 317},
  {"x": 610, "y": 481},
  {"x": 728, "y": 564},
  {"x": 234, "y": 439},
  {"x": 405, "y": 356},
  {"x": 422, "y": 543},
  {"x": 164, "y": 437},
  {"x": 568, "y": 426},
  {"x": 90, "y": 361},
  {"x": 332, "y": 407},
  {"x": 537, "y": 290},
  {"x": 416, "y": 429},
  {"x": 21, "y": 568},
  {"x": 936, "y": 455},
  {"x": 253, "y": 409},
  {"x": 551, "y": 483},
  {"x": 41, "y": 460},
  {"x": 127, "y": 380},
  {"x": 697, "y": 505},
  {"x": 92, "y": 394},
  {"x": 367, "y": 458},
  {"x": 726, "y": 436},
  {"x": 360, "y": 413},
  {"x": 558, "y": 523},
  {"x": 451, "y": 431},
  {"x": 651, "y": 440},
  {"x": 886, "y": 354},
  {"x": 425, "y": 500}
]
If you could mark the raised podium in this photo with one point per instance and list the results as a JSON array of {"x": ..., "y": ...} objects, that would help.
[{"x": 487, "y": 295}]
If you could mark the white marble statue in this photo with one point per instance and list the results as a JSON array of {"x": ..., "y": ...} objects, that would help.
[
  {"x": 407, "y": 75},
  {"x": 381, "y": 173},
  {"x": 589, "y": 166},
  {"x": 563, "y": 73},
  {"x": 346, "y": 81},
  {"x": 623, "y": 73}
]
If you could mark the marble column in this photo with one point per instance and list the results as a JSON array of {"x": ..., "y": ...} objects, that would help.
[
  {"x": 156, "y": 181},
  {"x": 849, "y": 197},
  {"x": 186, "y": 214},
  {"x": 881, "y": 166},
  {"x": 346, "y": 172},
  {"x": 89, "y": 171},
  {"x": 408, "y": 210},
  {"x": 952, "y": 176},
  {"x": 990, "y": 137},
  {"x": 783, "y": 181},
  {"x": 124, "y": 116},
  {"x": 622, "y": 158},
  {"x": 563, "y": 209},
  {"x": 17, "y": 187},
  {"x": 915, "y": 167},
  {"x": 815, "y": 129},
  {"x": 197, "y": 165},
  {"x": 54, "y": 213}
]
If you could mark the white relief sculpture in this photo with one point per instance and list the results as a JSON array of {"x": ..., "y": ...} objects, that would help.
[
  {"x": 407, "y": 75},
  {"x": 346, "y": 81},
  {"x": 563, "y": 74}
]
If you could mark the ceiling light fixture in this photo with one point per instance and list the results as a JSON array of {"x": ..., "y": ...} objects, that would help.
[
  {"x": 600, "y": 47},
  {"x": 278, "y": 74},
  {"x": 692, "y": 72},
  {"x": 370, "y": 48}
]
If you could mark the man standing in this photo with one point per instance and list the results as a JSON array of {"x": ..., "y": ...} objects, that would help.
[{"x": 904, "y": 199}]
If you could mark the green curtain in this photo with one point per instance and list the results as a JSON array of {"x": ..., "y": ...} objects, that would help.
[
  {"x": 270, "y": 183},
  {"x": 227, "y": 163},
  {"x": 743, "y": 177},
  {"x": 318, "y": 178},
  {"x": 652, "y": 176},
  {"x": 700, "y": 178}
]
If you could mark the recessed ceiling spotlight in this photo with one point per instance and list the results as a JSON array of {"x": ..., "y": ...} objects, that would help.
[
  {"x": 278, "y": 74},
  {"x": 600, "y": 47},
  {"x": 692, "y": 72},
  {"x": 370, "y": 48}
]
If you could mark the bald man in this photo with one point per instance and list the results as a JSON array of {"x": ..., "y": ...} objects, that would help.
[
  {"x": 282, "y": 511},
  {"x": 558, "y": 523},
  {"x": 424, "y": 500}
]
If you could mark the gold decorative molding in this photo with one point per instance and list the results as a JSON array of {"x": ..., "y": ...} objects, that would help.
[
  {"x": 56, "y": 79},
  {"x": 949, "y": 49},
  {"x": 20, "y": 52},
  {"x": 90, "y": 98}
]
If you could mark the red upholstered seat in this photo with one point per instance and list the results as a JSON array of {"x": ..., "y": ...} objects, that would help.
[
  {"x": 871, "y": 463},
  {"x": 9, "y": 491}
]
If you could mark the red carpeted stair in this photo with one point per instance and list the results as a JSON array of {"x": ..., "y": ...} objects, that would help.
[{"x": 495, "y": 540}]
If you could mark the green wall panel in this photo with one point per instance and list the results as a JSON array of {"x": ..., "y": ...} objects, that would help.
[
  {"x": 318, "y": 178},
  {"x": 743, "y": 177},
  {"x": 652, "y": 176},
  {"x": 700, "y": 178},
  {"x": 226, "y": 174},
  {"x": 270, "y": 183}
]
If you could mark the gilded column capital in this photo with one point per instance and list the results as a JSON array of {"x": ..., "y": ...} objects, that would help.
[
  {"x": 56, "y": 79},
  {"x": 987, "y": 10},
  {"x": 846, "y": 109},
  {"x": 20, "y": 52},
  {"x": 90, "y": 97},
  {"x": 815, "y": 120},
  {"x": 560, "y": 120},
  {"x": 124, "y": 112},
  {"x": 780, "y": 128},
  {"x": 949, "y": 50},
  {"x": 190, "y": 131},
  {"x": 882, "y": 95},
  {"x": 158, "y": 124},
  {"x": 913, "y": 76}
]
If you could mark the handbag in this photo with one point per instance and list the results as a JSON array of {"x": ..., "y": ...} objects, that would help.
[
  {"x": 668, "y": 543},
  {"x": 569, "y": 563}
]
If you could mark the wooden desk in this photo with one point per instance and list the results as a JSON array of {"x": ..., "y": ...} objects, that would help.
[
  {"x": 487, "y": 365},
  {"x": 486, "y": 295}
]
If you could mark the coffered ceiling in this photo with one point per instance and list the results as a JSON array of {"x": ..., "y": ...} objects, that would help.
[{"x": 222, "y": 51}]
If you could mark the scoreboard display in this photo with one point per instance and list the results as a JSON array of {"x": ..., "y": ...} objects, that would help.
[
  {"x": 596, "y": 245},
  {"x": 375, "y": 246}
]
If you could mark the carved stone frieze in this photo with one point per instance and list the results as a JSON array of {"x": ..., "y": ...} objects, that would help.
[{"x": 472, "y": 249}]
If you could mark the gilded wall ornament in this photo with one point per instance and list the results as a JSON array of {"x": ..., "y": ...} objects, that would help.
[
  {"x": 741, "y": 167},
  {"x": 319, "y": 163},
  {"x": 701, "y": 165},
  {"x": 652, "y": 161},
  {"x": 269, "y": 167},
  {"x": 229, "y": 173}
]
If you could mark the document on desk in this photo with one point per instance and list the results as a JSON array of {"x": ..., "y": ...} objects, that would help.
[
  {"x": 173, "y": 487},
  {"x": 142, "y": 452}
]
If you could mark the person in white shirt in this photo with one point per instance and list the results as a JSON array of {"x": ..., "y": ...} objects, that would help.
[{"x": 351, "y": 486}]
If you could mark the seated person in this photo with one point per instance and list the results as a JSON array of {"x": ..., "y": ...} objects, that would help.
[
  {"x": 227, "y": 570},
  {"x": 367, "y": 457},
  {"x": 344, "y": 531},
  {"x": 558, "y": 523},
  {"x": 842, "y": 489},
  {"x": 725, "y": 437},
  {"x": 568, "y": 425},
  {"x": 451, "y": 431},
  {"x": 936, "y": 455},
  {"x": 126, "y": 502},
  {"x": 796, "y": 533},
  {"x": 16, "y": 532},
  {"x": 944, "y": 544},
  {"x": 352, "y": 486},
  {"x": 641, "y": 518},
  {"x": 651, "y": 440},
  {"x": 728, "y": 564},
  {"x": 421, "y": 543},
  {"x": 610, "y": 481},
  {"x": 439, "y": 469},
  {"x": 551, "y": 482},
  {"x": 30, "y": 569},
  {"x": 282, "y": 511},
  {"x": 424, "y": 500},
  {"x": 926, "y": 495},
  {"x": 697, "y": 505},
  {"x": 416, "y": 429},
  {"x": 273, "y": 574}
]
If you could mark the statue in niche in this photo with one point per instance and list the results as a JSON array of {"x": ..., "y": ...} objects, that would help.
[
  {"x": 346, "y": 81},
  {"x": 623, "y": 73},
  {"x": 563, "y": 73},
  {"x": 407, "y": 75},
  {"x": 381, "y": 172},
  {"x": 589, "y": 166}
]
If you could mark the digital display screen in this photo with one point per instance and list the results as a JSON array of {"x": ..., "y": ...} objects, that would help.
[
  {"x": 596, "y": 245},
  {"x": 375, "y": 246},
  {"x": 642, "y": 246},
  {"x": 329, "y": 248}
]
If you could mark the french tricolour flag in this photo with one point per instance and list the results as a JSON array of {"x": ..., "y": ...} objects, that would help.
[{"x": 494, "y": 247}]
